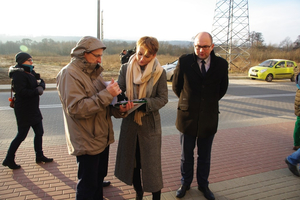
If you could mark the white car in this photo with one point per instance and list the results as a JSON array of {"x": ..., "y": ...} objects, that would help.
[{"x": 170, "y": 67}]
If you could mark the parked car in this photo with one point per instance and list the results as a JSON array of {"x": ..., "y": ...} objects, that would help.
[
  {"x": 273, "y": 69},
  {"x": 170, "y": 67}
]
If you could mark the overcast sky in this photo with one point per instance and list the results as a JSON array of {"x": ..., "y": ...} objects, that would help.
[{"x": 132, "y": 19}]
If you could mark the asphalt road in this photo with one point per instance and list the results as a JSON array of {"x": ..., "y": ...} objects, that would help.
[{"x": 247, "y": 103}]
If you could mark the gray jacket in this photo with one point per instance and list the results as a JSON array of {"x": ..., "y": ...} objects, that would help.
[{"x": 148, "y": 135}]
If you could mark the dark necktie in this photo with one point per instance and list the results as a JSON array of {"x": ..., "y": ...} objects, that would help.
[{"x": 203, "y": 70}]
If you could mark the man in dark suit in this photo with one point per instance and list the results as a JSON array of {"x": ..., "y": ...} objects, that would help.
[{"x": 200, "y": 80}]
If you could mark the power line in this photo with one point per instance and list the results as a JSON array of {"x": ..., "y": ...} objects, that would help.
[{"x": 230, "y": 32}]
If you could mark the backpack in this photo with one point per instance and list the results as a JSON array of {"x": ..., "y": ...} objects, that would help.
[{"x": 297, "y": 81}]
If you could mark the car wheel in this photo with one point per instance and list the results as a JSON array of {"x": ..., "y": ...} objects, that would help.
[
  {"x": 253, "y": 78},
  {"x": 269, "y": 77}
]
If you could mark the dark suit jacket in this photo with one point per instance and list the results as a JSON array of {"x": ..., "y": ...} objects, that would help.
[{"x": 198, "y": 106}]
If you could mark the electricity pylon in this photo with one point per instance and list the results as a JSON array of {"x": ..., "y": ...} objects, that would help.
[
  {"x": 230, "y": 32},
  {"x": 98, "y": 19}
]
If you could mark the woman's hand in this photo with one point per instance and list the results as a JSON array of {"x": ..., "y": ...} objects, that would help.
[{"x": 127, "y": 107}]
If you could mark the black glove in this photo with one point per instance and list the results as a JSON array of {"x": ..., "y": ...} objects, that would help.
[
  {"x": 37, "y": 76},
  {"x": 122, "y": 97},
  {"x": 40, "y": 90},
  {"x": 42, "y": 84},
  {"x": 142, "y": 108}
]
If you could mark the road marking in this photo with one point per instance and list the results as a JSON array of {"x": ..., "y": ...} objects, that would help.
[
  {"x": 259, "y": 96},
  {"x": 41, "y": 106},
  {"x": 2, "y": 108}
]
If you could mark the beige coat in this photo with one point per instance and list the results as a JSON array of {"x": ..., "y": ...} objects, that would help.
[
  {"x": 297, "y": 103},
  {"x": 86, "y": 110}
]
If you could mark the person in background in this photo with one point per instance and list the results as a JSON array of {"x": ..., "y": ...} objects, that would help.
[
  {"x": 296, "y": 134},
  {"x": 122, "y": 54},
  {"x": 138, "y": 159},
  {"x": 128, "y": 54},
  {"x": 200, "y": 80},
  {"x": 28, "y": 86},
  {"x": 86, "y": 98},
  {"x": 293, "y": 161}
]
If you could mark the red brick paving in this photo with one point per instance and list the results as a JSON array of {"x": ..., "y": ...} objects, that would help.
[{"x": 237, "y": 152}]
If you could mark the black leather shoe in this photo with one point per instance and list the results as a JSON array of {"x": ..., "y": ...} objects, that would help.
[
  {"x": 43, "y": 159},
  {"x": 106, "y": 183},
  {"x": 207, "y": 193},
  {"x": 293, "y": 168},
  {"x": 11, "y": 164},
  {"x": 182, "y": 190}
]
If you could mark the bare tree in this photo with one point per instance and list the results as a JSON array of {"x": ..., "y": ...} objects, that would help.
[
  {"x": 286, "y": 44},
  {"x": 256, "y": 39},
  {"x": 297, "y": 43}
]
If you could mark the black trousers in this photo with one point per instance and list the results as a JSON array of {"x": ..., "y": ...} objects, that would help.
[
  {"x": 91, "y": 172},
  {"x": 20, "y": 137},
  {"x": 137, "y": 183},
  {"x": 187, "y": 159}
]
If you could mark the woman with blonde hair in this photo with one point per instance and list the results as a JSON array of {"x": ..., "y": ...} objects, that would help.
[{"x": 139, "y": 149}]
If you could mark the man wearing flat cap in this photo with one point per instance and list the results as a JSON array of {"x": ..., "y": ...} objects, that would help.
[{"x": 86, "y": 99}]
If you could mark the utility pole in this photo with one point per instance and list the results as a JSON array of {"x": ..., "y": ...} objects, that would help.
[
  {"x": 98, "y": 20},
  {"x": 231, "y": 33},
  {"x": 102, "y": 25}
]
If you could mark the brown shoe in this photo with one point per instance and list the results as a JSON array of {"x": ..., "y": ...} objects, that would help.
[{"x": 296, "y": 148}]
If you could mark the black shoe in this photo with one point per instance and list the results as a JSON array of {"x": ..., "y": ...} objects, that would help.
[
  {"x": 139, "y": 195},
  {"x": 11, "y": 164},
  {"x": 207, "y": 193},
  {"x": 43, "y": 159},
  {"x": 106, "y": 183},
  {"x": 182, "y": 190},
  {"x": 293, "y": 168}
]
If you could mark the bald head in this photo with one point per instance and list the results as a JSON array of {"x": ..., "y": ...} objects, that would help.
[
  {"x": 203, "y": 45},
  {"x": 204, "y": 34}
]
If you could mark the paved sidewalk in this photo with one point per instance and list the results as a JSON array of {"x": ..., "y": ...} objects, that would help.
[{"x": 247, "y": 163}]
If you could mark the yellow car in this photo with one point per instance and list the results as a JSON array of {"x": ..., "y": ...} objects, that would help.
[{"x": 273, "y": 69}]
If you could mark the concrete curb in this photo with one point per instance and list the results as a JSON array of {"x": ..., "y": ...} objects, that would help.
[{"x": 52, "y": 86}]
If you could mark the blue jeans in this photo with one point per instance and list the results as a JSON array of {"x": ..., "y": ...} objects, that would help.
[
  {"x": 187, "y": 159},
  {"x": 91, "y": 172},
  {"x": 20, "y": 137},
  {"x": 294, "y": 158}
]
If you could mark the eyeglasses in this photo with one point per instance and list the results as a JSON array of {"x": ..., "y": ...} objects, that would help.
[
  {"x": 30, "y": 60},
  {"x": 206, "y": 47},
  {"x": 96, "y": 56}
]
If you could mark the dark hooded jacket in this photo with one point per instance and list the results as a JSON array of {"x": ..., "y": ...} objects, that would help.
[{"x": 26, "y": 95}]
